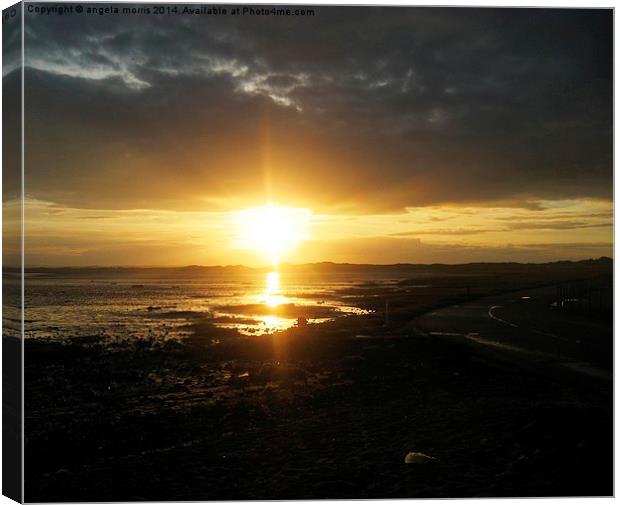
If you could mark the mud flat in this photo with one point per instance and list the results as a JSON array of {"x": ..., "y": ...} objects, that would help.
[{"x": 325, "y": 411}]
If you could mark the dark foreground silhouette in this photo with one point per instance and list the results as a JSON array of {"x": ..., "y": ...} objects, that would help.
[{"x": 320, "y": 411}]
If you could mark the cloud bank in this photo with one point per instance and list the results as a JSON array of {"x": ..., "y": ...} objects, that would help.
[{"x": 351, "y": 110}]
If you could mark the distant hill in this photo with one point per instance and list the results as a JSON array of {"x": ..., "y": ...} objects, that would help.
[{"x": 601, "y": 265}]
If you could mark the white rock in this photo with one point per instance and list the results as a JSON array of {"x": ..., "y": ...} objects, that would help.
[{"x": 418, "y": 457}]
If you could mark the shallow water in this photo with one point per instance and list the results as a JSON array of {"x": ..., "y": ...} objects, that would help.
[{"x": 141, "y": 304}]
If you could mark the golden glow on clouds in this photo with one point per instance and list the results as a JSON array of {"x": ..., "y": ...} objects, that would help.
[{"x": 60, "y": 236}]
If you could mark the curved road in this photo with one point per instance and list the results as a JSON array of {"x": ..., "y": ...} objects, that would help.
[{"x": 522, "y": 327}]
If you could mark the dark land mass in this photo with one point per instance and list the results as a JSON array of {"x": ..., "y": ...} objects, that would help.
[
  {"x": 508, "y": 393},
  {"x": 580, "y": 268}
]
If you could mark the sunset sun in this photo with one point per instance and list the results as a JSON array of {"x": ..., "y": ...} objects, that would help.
[{"x": 271, "y": 231}]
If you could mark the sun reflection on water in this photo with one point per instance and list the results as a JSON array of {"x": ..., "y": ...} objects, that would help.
[{"x": 272, "y": 296}]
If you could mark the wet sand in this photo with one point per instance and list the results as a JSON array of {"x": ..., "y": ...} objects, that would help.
[
  {"x": 527, "y": 328},
  {"x": 325, "y": 411}
]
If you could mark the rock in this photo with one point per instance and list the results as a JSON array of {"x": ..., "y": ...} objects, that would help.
[{"x": 417, "y": 458}]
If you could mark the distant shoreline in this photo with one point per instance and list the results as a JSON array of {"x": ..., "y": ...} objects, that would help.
[{"x": 322, "y": 267}]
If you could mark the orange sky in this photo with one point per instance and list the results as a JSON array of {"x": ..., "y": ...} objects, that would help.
[
  {"x": 574, "y": 229},
  {"x": 399, "y": 134}
]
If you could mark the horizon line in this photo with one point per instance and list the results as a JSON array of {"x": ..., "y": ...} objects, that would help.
[{"x": 317, "y": 263}]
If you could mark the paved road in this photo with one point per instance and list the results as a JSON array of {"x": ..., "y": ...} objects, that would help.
[{"x": 522, "y": 326}]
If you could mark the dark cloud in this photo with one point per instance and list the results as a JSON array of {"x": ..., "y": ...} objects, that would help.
[
  {"x": 11, "y": 100},
  {"x": 354, "y": 109}
]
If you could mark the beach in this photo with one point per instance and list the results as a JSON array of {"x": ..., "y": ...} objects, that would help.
[{"x": 326, "y": 410}]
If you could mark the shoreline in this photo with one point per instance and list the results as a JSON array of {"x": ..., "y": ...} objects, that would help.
[
  {"x": 331, "y": 410},
  {"x": 307, "y": 413}
]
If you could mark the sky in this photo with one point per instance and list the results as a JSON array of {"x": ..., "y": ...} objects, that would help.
[{"x": 414, "y": 135}]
